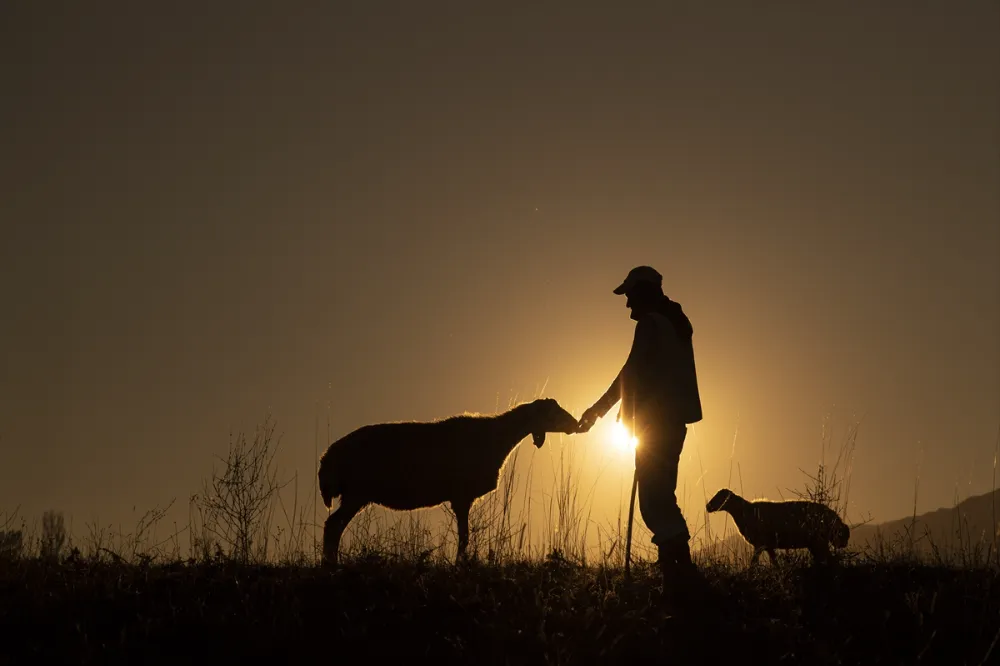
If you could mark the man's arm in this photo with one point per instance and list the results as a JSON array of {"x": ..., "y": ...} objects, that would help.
[
  {"x": 611, "y": 396},
  {"x": 641, "y": 341}
]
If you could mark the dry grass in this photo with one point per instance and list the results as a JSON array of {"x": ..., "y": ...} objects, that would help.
[
  {"x": 548, "y": 611},
  {"x": 253, "y": 590}
]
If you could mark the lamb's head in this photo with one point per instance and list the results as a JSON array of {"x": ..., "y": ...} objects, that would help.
[
  {"x": 547, "y": 415},
  {"x": 719, "y": 500}
]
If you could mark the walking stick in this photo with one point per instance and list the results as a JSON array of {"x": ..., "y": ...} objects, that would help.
[{"x": 628, "y": 537}]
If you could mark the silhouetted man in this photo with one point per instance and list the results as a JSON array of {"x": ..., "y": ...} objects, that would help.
[{"x": 658, "y": 389}]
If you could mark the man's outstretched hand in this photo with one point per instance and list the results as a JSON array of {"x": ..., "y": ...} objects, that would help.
[{"x": 588, "y": 419}]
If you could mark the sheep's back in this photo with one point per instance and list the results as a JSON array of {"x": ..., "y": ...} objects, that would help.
[
  {"x": 792, "y": 524},
  {"x": 412, "y": 465}
]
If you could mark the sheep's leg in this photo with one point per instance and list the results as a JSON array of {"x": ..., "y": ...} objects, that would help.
[
  {"x": 820, "y": 552},
  {"x": 756, "y": 556},
  {"x": 461, "y": 509},
  {"x": 334, "y": 528},
  {"x": 772, "y": 556}
]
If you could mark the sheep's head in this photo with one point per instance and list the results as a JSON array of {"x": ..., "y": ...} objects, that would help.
[
  {"x": 549, "y": 416},
  {"x": 718, "y": 501},
  {"x": 325, "y": 482}
]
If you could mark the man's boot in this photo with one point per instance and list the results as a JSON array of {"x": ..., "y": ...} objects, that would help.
[
  {"x": 681, "y": 555},
  {"x": 684, "y": 587}
]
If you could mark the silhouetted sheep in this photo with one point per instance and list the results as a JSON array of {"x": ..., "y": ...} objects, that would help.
[
  {"x": 769, "y": 525},
  {"x": 413, "y": 465}
]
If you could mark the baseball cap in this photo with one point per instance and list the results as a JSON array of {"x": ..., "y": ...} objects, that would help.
[{"x": 637, "y": 275}]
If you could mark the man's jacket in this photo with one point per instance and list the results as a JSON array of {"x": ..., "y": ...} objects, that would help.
[{"x": 658, "y": 385}]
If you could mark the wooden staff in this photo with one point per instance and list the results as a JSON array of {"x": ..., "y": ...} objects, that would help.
[{"x": 628, "y": 537}]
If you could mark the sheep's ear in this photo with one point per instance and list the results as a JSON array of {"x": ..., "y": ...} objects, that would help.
[{"x": 539, "y": 438}]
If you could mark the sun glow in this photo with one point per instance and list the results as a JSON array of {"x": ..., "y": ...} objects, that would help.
[{"x": 621, "y": 439}]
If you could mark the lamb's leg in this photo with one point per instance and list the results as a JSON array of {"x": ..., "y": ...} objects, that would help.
[
  {"x": 772, "y": 556},
  {"x": 461, "y": 509},
  {"x": 334, "y": 528},
  {"x": 756, "y": 556}
]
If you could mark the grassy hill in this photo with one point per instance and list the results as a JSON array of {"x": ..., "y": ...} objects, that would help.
[{"x": 533, "y": 612}]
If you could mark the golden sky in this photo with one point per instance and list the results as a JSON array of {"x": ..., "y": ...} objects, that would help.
[{"x": 367, "y": 215}]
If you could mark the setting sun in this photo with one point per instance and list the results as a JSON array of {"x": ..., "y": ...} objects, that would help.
[{"x": 622, "y": 439}]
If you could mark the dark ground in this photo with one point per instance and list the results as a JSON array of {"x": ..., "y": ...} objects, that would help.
[{"x": 553, "y": 612}]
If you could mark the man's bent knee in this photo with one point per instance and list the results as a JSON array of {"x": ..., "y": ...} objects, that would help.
[
  {"x": 659, "y": 510},
  {"x": 669, "y": 534}
]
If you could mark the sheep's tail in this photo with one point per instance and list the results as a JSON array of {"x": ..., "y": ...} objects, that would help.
[{"x": 331, "y": 481}]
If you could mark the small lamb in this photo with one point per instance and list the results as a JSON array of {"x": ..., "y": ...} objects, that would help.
[
  {"x": 769, "y": 525},
  {"x": 413, "y": 465}
]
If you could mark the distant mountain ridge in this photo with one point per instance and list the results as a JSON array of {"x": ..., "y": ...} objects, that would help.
[{"x": 972, "y": 523}]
